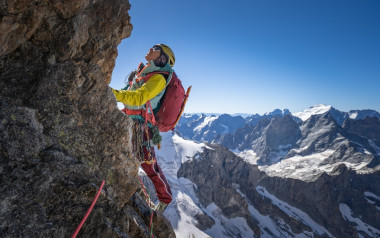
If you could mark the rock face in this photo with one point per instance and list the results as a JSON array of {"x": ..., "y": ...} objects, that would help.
[
  {"x": 368, "y": 127},
  {"x": 61, "y": 132},
  {"x": 272, "y": 139}
]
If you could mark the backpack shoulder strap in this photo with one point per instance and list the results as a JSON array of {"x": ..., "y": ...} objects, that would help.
[
  {"x": 168, "y": 76},
  {"x": 140, "y": 67}
]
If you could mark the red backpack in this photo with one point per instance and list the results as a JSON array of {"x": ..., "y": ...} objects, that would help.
[{"x": 170, "y": 107}]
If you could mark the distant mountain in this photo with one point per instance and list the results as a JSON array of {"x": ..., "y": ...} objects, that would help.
[
  {"x": 362, "y": 114},
  {"x": 252, "y": 120},
  {"x": 219, "y": 194},
  {"x": 314, "y": 110},
  {"x": 273, "y": 135},
  {"x": 281, "y": 142},
  {"x": 338, "y": 116},
  {"x": 206, "y": 128},
  {"x": 310, "y": 174}
]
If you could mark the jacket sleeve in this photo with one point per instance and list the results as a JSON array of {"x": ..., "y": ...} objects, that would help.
[{"x": 146, "y": 92}]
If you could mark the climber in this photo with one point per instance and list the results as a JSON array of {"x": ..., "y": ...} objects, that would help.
[{"x": 143, "y": 94}]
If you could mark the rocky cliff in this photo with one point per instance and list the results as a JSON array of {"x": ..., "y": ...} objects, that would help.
[
  {"x": 314, "y": 176},
  {"x": 274, "y": 140},
  {"x": 284, "y": 207},
  {"x": 61, "y": 132}
]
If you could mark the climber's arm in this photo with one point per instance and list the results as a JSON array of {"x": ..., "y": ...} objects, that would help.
[{"x": 146, "y": 92}]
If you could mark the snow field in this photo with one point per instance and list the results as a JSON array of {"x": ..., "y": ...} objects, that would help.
[
  {"x": 174, "y": 151},
  {"x": 206, "y": 122},
  {"x": 372, "y": 199},
  {"x": 185, "y": 205},
  {"x": 294, "y": 212},
  {"x": 226, "y": 227},
  {"x": 307, "y": 113},
  {"x": 248, "y": 156},
  {"x": 361, "y": 227},
  {"x": 299, "y": 167},
  {"x": 181, "y": 213}
]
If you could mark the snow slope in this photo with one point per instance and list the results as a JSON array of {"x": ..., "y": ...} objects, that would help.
[
  {"x": 225, "y": 227},
  {"x": 185, "y": 205},
  {"x": 372, "y": 199},
  {"x": 314, "y": 110},
  {"x": 207, "y": 121},
  {"x": 362, "y": 228},
  {"x": 299, "y": 167},
  {"x": 294, "y": 212}
]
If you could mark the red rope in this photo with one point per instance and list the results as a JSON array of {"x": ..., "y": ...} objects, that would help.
[
  {"x": 151, "y": 224},
  {"x": 146, "y": 194},
  {"x": 88, "y": 211}
]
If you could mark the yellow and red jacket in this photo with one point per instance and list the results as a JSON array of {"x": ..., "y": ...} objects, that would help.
[
  {"x": 141, "y": 92},
  {"x": 141, "y": 95}
]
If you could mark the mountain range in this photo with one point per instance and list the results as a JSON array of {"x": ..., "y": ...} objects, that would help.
[
  {"x": 203, "y": 126},
  {"x": 62, "y": 137},
  {"x": 310, "y": 174}
]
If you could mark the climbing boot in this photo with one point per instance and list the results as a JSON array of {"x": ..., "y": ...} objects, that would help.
[
  {"x": 146, "y": 198},
  {"x": 160, "y": 207}
]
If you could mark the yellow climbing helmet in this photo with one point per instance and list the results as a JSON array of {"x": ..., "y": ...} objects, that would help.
[{"x": 169, "y": 53}]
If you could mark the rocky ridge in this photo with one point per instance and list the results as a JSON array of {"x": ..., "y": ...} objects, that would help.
[
  {"x": 236, "y": 186},
  {"x": 61, "y": 132},
  {"x": 307, "y": 176},
  {"x": 281, "y": 138},
  {"x": 230, "y": 130}
]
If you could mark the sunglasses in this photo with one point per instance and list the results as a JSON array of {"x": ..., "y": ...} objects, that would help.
[{"x": 156, "y": 47}]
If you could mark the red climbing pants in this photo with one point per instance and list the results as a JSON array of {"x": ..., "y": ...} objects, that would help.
[{"x": 154, "y": 172}]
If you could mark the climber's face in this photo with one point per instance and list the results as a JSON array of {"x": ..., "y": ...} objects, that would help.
[{"x": 153, "y": 53}]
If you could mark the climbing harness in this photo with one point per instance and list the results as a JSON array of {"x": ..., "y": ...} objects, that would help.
[
  {"x": 141, "y": 131},
  {"x": 88, "y": 211}
]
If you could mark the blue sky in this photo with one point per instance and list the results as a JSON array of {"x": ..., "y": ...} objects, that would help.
[{"x": 254, "y": 56}]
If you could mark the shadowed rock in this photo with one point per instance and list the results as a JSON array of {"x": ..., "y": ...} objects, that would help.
[{"x": 61, "y": 132}]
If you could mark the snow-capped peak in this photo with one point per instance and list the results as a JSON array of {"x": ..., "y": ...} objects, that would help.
[
  {"x": 207, "y": 121},
  {"x": 353, "y": 115},
  {"x": 277, "y": 112},
  {"x": 314, "y": 110}
]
